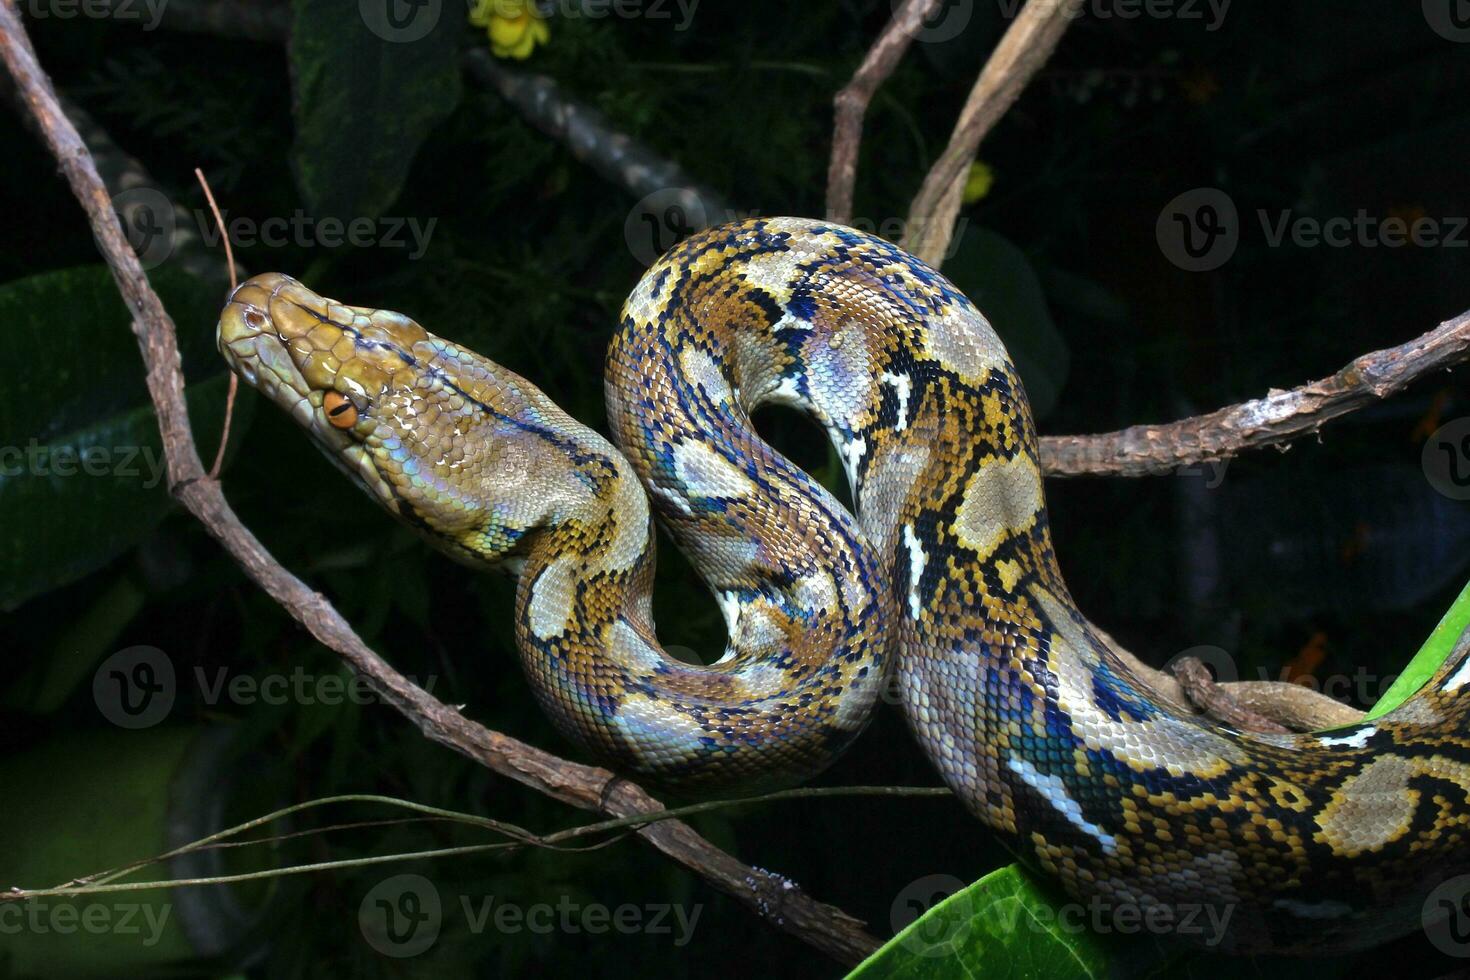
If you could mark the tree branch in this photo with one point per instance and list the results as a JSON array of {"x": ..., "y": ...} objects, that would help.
[
  {"x": 1279, "y": 417},
  {"x": 1023, "y": 49},
  {"x": 827, "y": 928},
  {"x": 851, "y": 102},
  {"x": 589, "y": 136}
]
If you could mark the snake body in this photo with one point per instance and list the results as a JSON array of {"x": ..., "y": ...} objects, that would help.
[{"x": 947, "y": 576}]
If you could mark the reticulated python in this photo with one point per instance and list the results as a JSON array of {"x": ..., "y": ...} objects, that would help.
[{"x": 1320, "y": 842}]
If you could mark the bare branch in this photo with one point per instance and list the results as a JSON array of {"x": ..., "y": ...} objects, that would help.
[
  {"x": 1279, "y": 417},
  {"x": 1023, "y": 49},
  {"x": 827, "y": 928},
  {"x": 851, "y": 102},
  {"x": 592, "y": 139}
]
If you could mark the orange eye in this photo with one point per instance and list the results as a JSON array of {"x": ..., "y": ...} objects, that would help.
[{"x": 340, "y": 410}]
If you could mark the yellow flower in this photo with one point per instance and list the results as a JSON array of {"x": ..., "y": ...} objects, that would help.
[
  {"x": 977, "y": 184},
  {"x": 515, "y": 27}
]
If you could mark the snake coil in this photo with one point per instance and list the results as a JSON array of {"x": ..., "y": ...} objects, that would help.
[{"x": 947, "y": 575}]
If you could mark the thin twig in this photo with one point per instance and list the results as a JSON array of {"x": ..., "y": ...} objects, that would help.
[
  {"x": 104, "y": 881},
  {"x": 1023, "y": 49},
  {"x": 850, "y": 104},
  {"x": 827, "y": 928},
  {"x": 234, "y": 389}
]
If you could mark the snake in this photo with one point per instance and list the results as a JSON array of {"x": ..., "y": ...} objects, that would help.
[{"x": 941, "y": 582}]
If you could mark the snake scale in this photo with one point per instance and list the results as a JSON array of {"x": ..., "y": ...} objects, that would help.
[{"x": 1311, "y": 842}]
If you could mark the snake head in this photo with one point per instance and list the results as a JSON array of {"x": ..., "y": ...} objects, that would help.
[{"x": 443, "y": 438}]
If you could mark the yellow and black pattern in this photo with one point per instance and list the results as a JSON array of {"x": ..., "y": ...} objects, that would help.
[{"x": 1327, "y": 841}]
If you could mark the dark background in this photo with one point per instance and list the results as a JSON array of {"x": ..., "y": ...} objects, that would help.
[{"x": 1331, "y": 560}]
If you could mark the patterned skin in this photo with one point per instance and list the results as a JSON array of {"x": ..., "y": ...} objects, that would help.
[{"x": 1319, "y": 842}]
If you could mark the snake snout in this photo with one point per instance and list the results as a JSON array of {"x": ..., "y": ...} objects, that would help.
[
  {"x": 274, "y": 328},
  {"x": 247, "y": 315}
]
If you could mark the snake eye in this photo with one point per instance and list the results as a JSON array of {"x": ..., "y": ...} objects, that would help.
[{"x": 340, "y": 410}]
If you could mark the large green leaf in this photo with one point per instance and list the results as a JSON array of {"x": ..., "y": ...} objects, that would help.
[
  {"x": 81, "y": 462},
  {"x": 999, "y": 278},
  {"x": 1003, "y": 925},
  {"x": 369, "y": 82}
]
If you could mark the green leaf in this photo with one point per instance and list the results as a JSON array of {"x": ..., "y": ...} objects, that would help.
[
  {"x": 81, "y": 461},
  {"x": 365, "y": 95},
  {"x": 996, "y": 274},
  {"x": 1004, "y": 925},
  {"x": 1431, "y": 656}
]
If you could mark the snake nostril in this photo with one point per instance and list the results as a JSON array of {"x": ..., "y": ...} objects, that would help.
[{"x": 254, "y": 319}]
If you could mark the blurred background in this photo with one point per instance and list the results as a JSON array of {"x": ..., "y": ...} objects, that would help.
[{"x": 1191, "y": 204}]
